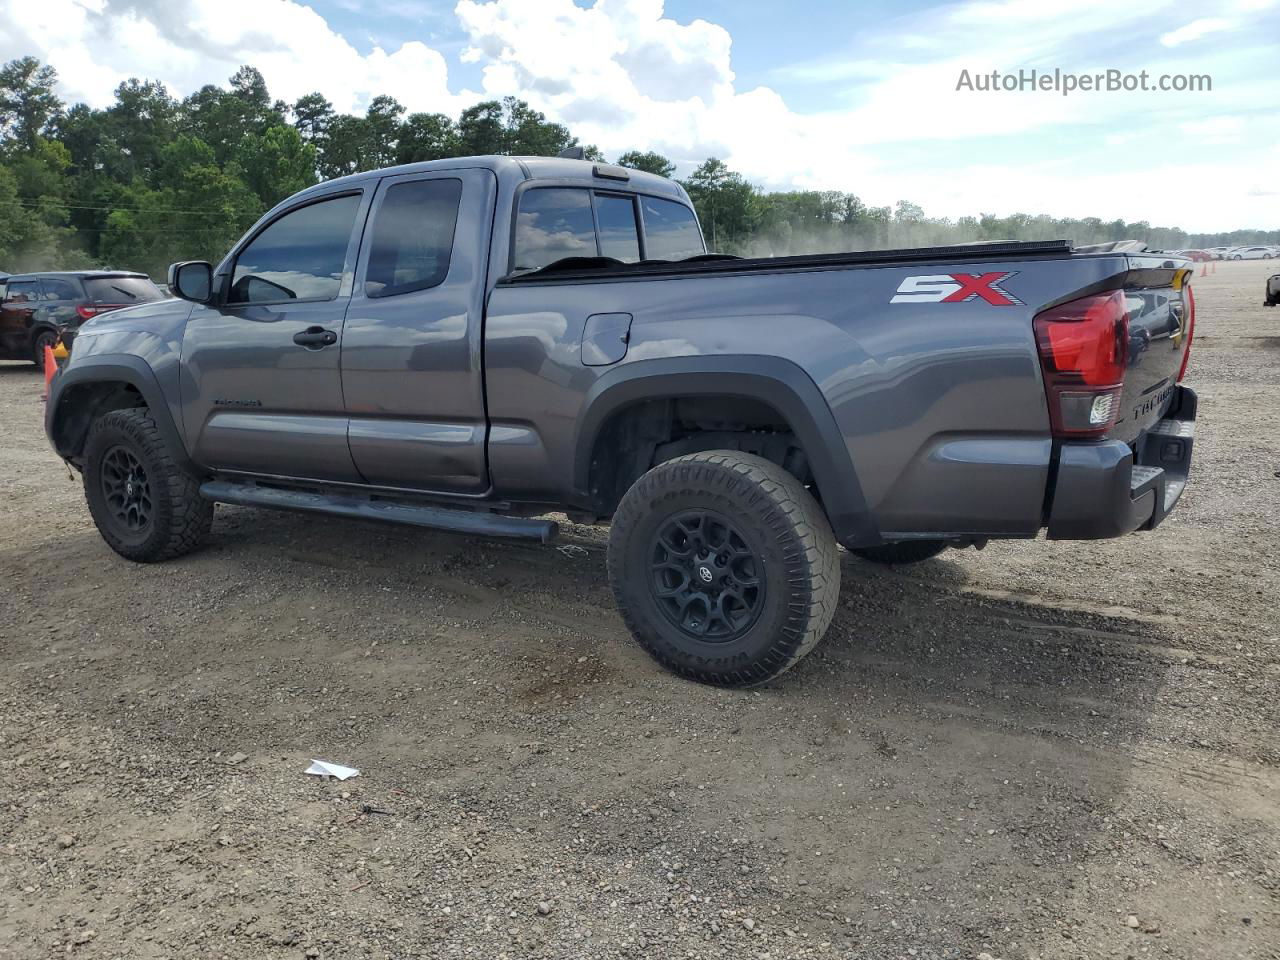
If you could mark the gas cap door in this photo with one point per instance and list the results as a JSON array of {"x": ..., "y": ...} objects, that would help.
[{"x": 605, "y": 338}]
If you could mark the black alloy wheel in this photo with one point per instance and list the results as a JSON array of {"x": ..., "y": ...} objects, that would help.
[
  {"x": 127, "y": 492},
  {"x": 705, "y": 577}
]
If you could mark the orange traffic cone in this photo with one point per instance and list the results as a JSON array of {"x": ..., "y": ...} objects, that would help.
[{"x": 50, "y": 367}]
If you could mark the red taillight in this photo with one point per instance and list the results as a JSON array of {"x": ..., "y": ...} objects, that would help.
[
  {"x": 1191, "y": 330},
  {"x": 1084, "y": 348},
  {"x": 88, "y": 310}
]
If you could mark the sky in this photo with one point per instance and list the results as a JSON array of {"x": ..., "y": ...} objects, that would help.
[{"x": 862, "y": 97}]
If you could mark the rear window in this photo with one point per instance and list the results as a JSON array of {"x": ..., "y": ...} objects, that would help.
[
  {"x": 121, "y": 290},
  {"x": 670, "y": 230},
  {"x": 619, "y": 237}
]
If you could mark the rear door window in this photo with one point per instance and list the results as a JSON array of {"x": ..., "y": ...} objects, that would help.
[
  {"x": 670, "y": 230},
  {"x": 553, "y": 223},
  {"x": 413, "y": 237},
  {"x": 121, "y": 290},
  {"x": 300, "y": 256}
]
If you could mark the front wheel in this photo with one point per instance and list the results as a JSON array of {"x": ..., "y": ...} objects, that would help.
[
  {"x": 145, "y": 505},
  {"x": 724, "y": 567}
]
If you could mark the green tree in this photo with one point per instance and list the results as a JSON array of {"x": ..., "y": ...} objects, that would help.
[
  {"x": 382, "y": 131},
  {"x": 312, "y": 115},
  {"x": 344, "y": 147},
  {"x": 648, "y": 161},
  {"x": 223, "y": 118},
  {"x": 276, "y": 164},
  {"x": 27, "y": 101},
  {"x": 426, "y": 136},
  {"x": 511, "y": 127},
  {"x": 727, "y": 205},
  {"x": 136, "y": 127}
]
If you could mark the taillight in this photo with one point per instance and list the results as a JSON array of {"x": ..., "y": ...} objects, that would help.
[
  {"x": 89, "y": 310},
  {"x": 1083, "y": 348},
  {"x": 1191, "y": 330}
]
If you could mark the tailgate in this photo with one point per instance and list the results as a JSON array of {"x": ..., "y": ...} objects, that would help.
[{"x": 1158, "y": 300}]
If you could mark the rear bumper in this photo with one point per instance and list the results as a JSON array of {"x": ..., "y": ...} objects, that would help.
[{"x": 1107, "y": 490}]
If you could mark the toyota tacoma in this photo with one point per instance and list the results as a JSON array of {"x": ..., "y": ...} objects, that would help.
[{"x": 472, "y": 344}]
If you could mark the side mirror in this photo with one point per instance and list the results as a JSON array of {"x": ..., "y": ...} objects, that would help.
[{"x": 191, "y": 280}]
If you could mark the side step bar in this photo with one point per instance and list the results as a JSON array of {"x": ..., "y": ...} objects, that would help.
[{"x": 393, "y": 511}]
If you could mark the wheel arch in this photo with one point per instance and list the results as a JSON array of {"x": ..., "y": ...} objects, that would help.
[
  {"x": 90, "y": 387},
  {"x": 774, "y": 382}
]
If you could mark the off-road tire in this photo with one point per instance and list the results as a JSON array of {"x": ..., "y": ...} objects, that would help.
[
  {"x": 906, "y": 551},
  {"x": 38, "y": 345},
  {"x": 179, "y": 519},
  {"x": 776, "y": 517}
]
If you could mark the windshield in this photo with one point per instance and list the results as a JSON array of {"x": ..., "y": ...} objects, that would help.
[{"x": 121, "y": 290}]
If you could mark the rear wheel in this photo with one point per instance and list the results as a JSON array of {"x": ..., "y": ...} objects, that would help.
[
  {"x": 906, "y": 551},
  {"x": 145, "y": 505},
  {"x": 724, "y": 567},
  {"x": 45, "y": 338}
]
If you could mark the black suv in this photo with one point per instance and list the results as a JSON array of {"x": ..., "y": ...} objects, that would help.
[{"x": 38, "y": 308}]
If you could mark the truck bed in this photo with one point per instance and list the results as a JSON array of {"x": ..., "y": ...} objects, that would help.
[{"x": 941, "y": 406}]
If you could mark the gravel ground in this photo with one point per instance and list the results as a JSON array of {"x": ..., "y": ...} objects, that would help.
[{"x": 1041, "y": 750}]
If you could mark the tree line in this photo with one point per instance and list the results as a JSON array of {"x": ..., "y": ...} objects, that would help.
[{"x": 152, "y": 178}]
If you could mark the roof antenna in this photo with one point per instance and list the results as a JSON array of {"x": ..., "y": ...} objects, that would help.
[{"x": 573, "y": 153}]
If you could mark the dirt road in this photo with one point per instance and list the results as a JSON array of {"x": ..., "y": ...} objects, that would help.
[{"x": 1042, "y": 750}]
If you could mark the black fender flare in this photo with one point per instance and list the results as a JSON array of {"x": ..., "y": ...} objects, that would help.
[
  {"x": 108, "y": 368},
  {"x": 775, "y": 381}
]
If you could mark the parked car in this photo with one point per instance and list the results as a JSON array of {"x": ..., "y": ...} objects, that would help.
[
  {"x": 1198, "y": 256},
  {"x": 469, "y": 344},
  {"x": 39, "y": 308},
  {"x": 1219, "y": 253},
  {"x": 1251, "y": 253}
]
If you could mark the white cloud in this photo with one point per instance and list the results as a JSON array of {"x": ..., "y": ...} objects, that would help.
[
  {"x": 623, "y": 75},
  {"x": 1197, "y": 29},
  {"x": 95, "y": 44},
  {"x": 1216, "y": 129}
]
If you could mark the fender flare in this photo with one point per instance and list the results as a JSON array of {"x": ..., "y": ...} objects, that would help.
[
  {"x": 773, "y": 380},
  {"x": 109, "y": 368}
]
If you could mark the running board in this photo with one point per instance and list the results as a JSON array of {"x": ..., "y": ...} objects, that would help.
[{"x": 393, "y": 511}]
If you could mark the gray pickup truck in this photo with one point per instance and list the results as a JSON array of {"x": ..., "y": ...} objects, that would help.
[{"x": 471, "y": 344}]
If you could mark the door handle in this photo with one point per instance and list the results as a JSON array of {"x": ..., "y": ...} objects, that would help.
[{"x": 315, "y": 337}]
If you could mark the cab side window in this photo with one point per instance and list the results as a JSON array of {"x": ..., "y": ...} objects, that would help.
[
  {"x": 670, "y": 230},
  {"x": 553, "y": 223},
  {"x": 412, "y": 237},
  {"x": 300, "y": 256}
]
